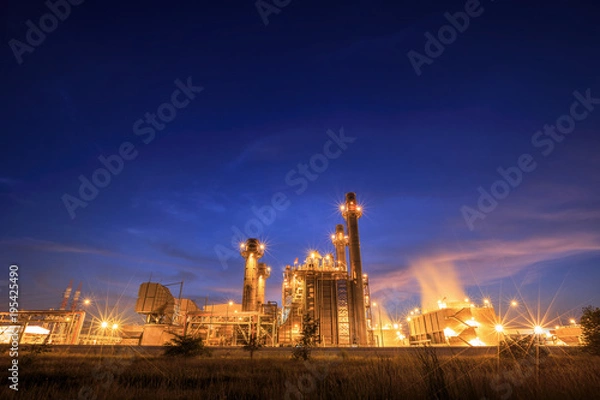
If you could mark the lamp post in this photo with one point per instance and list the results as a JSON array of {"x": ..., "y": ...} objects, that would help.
[
  {"x": 87, "y": 302},
  {"x": 227, "y": 318},
  {"x": 103, "y": 325},
  {"x": 114, "y": 327},
  {"x": 537, "y": 330},
  {"x": 499, "y": 330},
  {"x": 380, "y": 325}
]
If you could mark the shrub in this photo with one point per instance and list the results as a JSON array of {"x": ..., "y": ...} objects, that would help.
[
  {"x": 590, "y": 329},
  {"x": 521, "y": 348},
  {"x": 186, "y": 346},
  {"x": 252, "y": 345},
  {"x": 309, "y": 338}
]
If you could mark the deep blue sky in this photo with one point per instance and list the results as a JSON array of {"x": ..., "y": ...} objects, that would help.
[{"x": 423, "y": 145}]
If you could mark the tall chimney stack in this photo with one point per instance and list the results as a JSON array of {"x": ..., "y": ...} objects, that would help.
[{"x": 351, "y": 211}]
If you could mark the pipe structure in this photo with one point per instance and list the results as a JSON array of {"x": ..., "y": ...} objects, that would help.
[
  {"x": 252, "y": 251},
  {"x": 351, "y": 212},
  {"x": 264, "y": 271},
  {"x": 340, "y": 241}
]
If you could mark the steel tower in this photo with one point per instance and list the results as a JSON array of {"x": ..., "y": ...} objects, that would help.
[
  {"x": 351, "y": 212},
  {"x": 340, "y": 241},
  {"x": 252, "y": 251}
]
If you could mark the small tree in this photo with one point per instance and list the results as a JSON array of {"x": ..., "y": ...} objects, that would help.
[
  {"x": 523, "y": 347},
  {"x": 310, "y": 338},
  {"x": 252, "y": 345},
  {"x": 186, "y": 346},
  {"x": 590, "y": 329}
]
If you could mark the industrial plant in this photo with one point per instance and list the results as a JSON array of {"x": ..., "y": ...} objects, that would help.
[{"x": 331, "y": 289}]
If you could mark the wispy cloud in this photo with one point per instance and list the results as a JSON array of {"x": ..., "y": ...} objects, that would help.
[
  {"x": 8, "y": 181},
  {"x": 264, "y": 148},
  {"x": 173, "y": 250},
  {"x": 31, "y": 244},
  {"x": 53, "y": 247},
  {"x": 446, "y": 271},
  {"x": 184, "y": 205}
]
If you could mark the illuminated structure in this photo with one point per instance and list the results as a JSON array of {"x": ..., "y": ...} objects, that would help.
[
  {"x": 351, "y": 213},
  {"x": 42, "y": 326},
  {"x": 218, "y": 324},
  {"x": 456, "y": 324},
  {"x": 165, "y": 315},
  {"x": 330, "y": 290},
  {"x": 255, "y": 275}
]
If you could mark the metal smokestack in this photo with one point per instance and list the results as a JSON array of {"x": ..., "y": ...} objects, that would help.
[
  {"x": 76, "y": 297},
  {"x": 264, "y": 271},
  {"x": 351, "y": 211},
  {"x": 340, "y": 241},
  {"x": 252, "y": 251},
  {"x": 66, "y": 296}
]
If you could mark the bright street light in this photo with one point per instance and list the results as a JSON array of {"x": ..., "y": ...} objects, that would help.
[
  {"x": 104, "y": 324},
  {"x": 499, "y": 328}
]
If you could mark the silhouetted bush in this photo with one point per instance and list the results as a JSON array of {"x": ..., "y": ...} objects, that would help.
[
  {"x": 590, "y": 329},
  {"x": 186, "y": 346},
  {"x": 310, "y": 338}
]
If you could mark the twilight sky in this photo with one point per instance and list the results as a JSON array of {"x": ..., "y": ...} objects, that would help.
[{"x": 214, "y": 116}]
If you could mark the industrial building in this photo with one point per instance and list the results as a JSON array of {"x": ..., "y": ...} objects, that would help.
[
  {"x": 331, "y": 289},
  {"x": 455, "y": 324},
  {"x": 221, "y": 324}
]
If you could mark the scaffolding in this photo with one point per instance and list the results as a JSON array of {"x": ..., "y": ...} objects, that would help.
[
  {"x": 63, "y": 327},
  {"x": 234, "y": 329}
]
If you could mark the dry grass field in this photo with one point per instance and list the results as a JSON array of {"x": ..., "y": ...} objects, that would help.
[{"x": 130, "y": 373}]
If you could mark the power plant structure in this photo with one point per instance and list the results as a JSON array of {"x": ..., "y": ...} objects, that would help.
[
  {"x": 255, "y": 275},
  {"x": 459, "y": 323},
  {"x": 330, "y": 289},
  {"x": 217, "y": 324}
]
